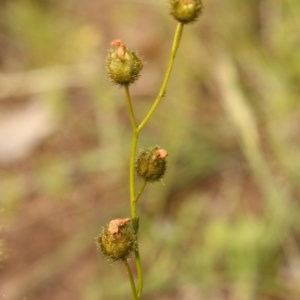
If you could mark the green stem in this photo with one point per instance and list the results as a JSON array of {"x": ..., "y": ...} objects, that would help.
[
  {"x": 141, "y": 191},
  {"x": 133, "y": 197},
  {"x": 139, "y": 271},
  {"x": 135, "y": 136},
  {"x": 133, "y": 202},
  {"x": 129, "y": 104},
  {"x": 176, "y": 42},
  {"x": 136, "y": 129},
  {"x": 130, "y": 276},
  {"x": 134, "y": 141}
]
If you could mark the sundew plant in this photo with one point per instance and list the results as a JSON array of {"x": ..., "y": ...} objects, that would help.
[{"x": 118, "y": 240}]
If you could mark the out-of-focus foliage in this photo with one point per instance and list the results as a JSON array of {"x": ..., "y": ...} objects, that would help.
[
  {"x": 225, "y": 223},
  {"x": 44, "y": 33}
]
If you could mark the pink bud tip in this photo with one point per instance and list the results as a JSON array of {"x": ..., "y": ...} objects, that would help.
[
  {"x": 116, "y": 43},
  {"x": 116, "y": 224},
  {"x": 121, "y": 47},
  {"x": 161, "y": 153}
]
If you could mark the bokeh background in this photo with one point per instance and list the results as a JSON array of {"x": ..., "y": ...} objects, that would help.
[{"x": 225, "y": 224}]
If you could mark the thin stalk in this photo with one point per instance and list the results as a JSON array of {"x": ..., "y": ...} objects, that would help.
[
  {"x": 133, "y": 197},
  {"x": 130, "y": 108},
  {"x": 133, "y": 204},
  {"x": 139, "y": 271},
  {"x": 136, "y": 129},
  {"x": 130, "y": 276},
  {"x": 134, "y": 141},
  {"x": 135, "y": 136},
  {"x": 141, "y": 191},
  {"x": 176, "y": 42}
]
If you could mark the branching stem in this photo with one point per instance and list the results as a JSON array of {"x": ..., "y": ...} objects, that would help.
[
  {"x": 161, "y": 93},
  {"x": 136, "y": 129}
]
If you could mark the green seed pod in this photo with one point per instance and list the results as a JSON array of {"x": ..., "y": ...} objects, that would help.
[
  {"x": 186, "y": 11},
  {"x": 123, "y": 65},
  {"x": 151, "y": 164},
  {"x": 117, "y": 240}
]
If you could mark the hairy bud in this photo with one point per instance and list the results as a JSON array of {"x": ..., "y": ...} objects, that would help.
[
  {"x": 123, "y": 65},
  {"x": 186, "y": 11},
  {"x": 151, "y": 164},
  {"x": 117, "y": 239}
]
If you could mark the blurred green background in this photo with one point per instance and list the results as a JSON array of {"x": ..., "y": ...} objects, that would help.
[{"x": 226, "y": 222}]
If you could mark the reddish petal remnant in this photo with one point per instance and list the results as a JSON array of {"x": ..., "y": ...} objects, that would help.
[
  {"x": 114, "y": 225},
  {"x": 161, "y": 153},
  {"x": 121, "y": 47},
  {"x": 116, "y": 43}
]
